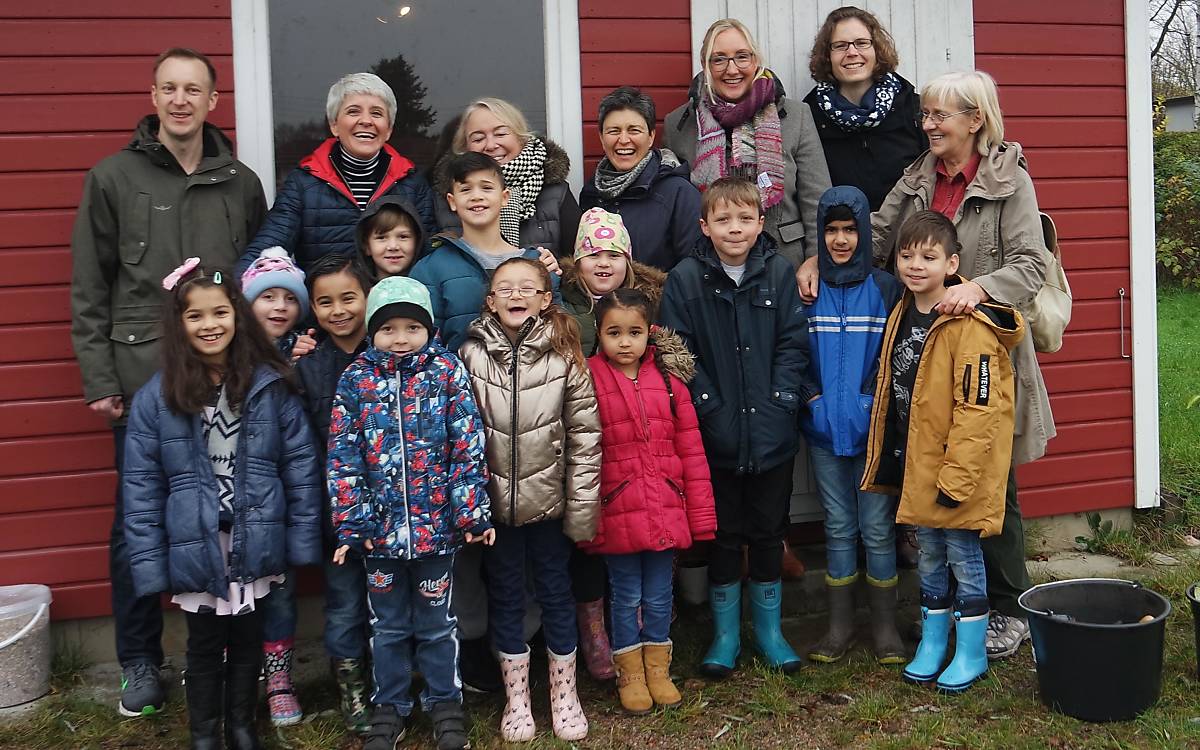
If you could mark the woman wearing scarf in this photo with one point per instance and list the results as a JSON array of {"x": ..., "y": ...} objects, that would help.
[
  {"x": 649, "y": 187},
  {"x": 738, "y": 121},
  {"x": 866, "y": 114},
  {"x": 541, "y": 210}
]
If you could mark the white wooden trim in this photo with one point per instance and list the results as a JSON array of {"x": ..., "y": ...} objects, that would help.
[
  {"x": 564, "y": 92},
  {"x": 1142, "y": 272},
  {"x": 255, "y": 118}
]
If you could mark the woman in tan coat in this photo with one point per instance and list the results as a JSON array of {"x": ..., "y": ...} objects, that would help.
[
  {"x": 979, "y": 181},
  {"x": 543, "y": 448}
]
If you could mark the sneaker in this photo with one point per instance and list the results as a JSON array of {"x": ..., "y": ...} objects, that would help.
[
  {"x": 141, "y": 691},
  {"x": 477, "y": 667},
  {"x": 1005, "y": 635},
  {"x": 449, "y": 726},
  {"x": 387, "y": 729}
]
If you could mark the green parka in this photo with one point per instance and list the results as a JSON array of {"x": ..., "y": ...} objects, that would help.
[{"x": 140, "y": 216}]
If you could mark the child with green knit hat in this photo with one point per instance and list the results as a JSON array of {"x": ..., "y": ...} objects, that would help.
[{"x": 408, "y": 477}]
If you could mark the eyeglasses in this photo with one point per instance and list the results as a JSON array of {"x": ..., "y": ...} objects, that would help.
[
  {"x": 859, "y": 44},
  {"x": 742, "y": 60},
  {"x": 508, "y": 292},
  {"x": 940, "y": 117}
]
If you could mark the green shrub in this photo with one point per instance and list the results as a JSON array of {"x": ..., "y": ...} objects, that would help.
[{"x": 1177, "y": 207}]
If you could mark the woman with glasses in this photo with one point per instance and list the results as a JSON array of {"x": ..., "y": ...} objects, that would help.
[
  {"x": 738, "y": 121},
  {"x": 979, "y": 181},
  {"x": 864, "y": 111}
]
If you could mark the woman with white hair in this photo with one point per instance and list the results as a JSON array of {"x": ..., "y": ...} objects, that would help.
[
  {"x": 739, "y": 122},
  {"x": 541, "y": 211},
  {"x": 979, "y": 181},
  {"x": 321, "y": 201}
]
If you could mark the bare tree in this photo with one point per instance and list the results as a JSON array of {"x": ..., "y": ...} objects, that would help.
[{"x": 1173, "y": 25}]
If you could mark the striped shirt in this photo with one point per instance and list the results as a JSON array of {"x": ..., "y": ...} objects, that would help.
[{"x": 362, "y": 176}]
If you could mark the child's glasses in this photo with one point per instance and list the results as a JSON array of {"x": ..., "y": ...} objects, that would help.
[{"x": 508, "y": 292}]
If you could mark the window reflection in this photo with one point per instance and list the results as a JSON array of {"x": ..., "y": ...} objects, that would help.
[{"x": 437, "y": 55}]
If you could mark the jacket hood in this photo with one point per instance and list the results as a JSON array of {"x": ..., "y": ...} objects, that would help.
[
  {"x": 394, "y": 201},
  {"x": 676, "y": 358},
  {"x": 859, "y": 265},
  {"x": 998, "y": 176},
  {"x": 558, "y": 167},
  {"x": 1004, "y": 320},
  {"x": 646, "y": 279},
  {"x": 145, "y": 139}
]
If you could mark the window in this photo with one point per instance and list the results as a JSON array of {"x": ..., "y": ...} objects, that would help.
[{"x": 437, "y": 55}]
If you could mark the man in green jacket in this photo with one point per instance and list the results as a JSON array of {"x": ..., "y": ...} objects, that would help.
[{"x": 175, "y": 191}]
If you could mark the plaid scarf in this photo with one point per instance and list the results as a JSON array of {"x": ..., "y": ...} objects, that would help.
[
  {"x": 523, "y": 176},
  {"x": 757, "y": 148},
  {"x": 851, "y": 117}
]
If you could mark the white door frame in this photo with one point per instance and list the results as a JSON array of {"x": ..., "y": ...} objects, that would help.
[
  {"x": 1142, "y": 272},
  {"x": 252, "y": 92}
]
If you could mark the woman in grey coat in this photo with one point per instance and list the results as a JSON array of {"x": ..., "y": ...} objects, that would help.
[{"x": 737, "y": 120}]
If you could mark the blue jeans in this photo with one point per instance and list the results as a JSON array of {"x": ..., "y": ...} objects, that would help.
[
  {"x": 548, "y": 551},
  {"x": 346, "y": 608},
  {"x": 411, "y": 616},
  {"x": 957, "y": 549},
  {"x": 851, "y": 514},
  {"x": 641, "y": 579},
  {"x": 279, "y": 611}
]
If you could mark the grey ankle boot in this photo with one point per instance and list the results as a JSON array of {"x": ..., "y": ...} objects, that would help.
[
  {"x": 840, "y": 637},
  {"x": 889, "y": 649}
]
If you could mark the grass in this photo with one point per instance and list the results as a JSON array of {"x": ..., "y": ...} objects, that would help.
[{"x": 1178, "y": 383}]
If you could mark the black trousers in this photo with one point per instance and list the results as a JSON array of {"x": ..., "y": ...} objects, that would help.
[
  {"x": 589, "y": 576},
  {"x": 752, "y": 511},
  {"x": 213, "y": 639},
  {"x": 1004, "y": 556},
  {"x": 138, "y": 620}
]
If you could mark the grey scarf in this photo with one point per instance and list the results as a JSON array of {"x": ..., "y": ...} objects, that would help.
[{"x": 611, "y": 183}]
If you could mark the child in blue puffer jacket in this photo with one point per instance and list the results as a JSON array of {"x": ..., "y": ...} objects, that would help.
[
  {"x": 845, "y": 332},
  {"x": 408, "y": 477}
]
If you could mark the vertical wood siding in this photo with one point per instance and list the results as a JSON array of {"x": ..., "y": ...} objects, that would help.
[{"x": 75, "y": 77}]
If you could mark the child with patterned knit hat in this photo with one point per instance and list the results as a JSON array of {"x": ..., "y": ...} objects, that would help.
[
  {"x": 274, "y": 286},
  {"x": 408, "y": 476}
]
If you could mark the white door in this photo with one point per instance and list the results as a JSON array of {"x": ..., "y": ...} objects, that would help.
[{"x": 932, "y": 37}]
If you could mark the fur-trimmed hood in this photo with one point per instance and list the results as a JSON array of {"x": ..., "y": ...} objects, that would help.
[
  {"x": 558, "y": 166},
  {"x": 675, "y": 355}
]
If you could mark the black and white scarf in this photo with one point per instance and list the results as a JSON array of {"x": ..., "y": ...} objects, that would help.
[
  {"x": 523, "y": 176},
  {"x": 851, "y": 117}
]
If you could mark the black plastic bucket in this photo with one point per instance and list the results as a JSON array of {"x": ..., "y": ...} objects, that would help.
[
  {"x": 1192, "y": 593},
  {"x": 1096, "y": 660}
]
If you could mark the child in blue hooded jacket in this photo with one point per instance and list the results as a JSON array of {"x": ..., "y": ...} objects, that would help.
[{"x": 845, "y": 333}]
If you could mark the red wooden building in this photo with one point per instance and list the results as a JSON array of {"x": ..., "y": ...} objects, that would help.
[{"x": 74, "y": 78}]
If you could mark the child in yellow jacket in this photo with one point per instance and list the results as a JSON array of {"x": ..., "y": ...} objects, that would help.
[{"x": 941, "y": 438}]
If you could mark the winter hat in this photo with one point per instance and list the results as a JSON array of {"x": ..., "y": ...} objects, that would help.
[
  {"x": 600, "y": 230},
  {"x": 274, "y": 268},
  {"x": 398, "y": 297}
]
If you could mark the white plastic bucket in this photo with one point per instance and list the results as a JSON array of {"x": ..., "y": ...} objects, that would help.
[{"x": 24, "y": 643}]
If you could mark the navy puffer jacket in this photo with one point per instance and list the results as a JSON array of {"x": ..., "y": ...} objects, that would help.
[
  {"x": 751, "y": 346},
  {"x": 171, "y": 506},
  {"x": 315, "y": 213},
  {"x": 661, "y": 210}
]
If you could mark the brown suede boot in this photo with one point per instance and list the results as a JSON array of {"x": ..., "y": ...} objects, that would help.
[
  {"x": 657, "y": 659},
  {"x": 631, "y": 680}
]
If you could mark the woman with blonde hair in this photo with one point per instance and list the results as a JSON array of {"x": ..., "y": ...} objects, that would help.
[
  {"x": 541, "y": 211},
  {"x": 980, "y": 181},
  {"x": 739, "y": 122}
]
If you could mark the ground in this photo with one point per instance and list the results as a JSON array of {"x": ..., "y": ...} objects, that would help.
[{"x": 855, "y": 704}]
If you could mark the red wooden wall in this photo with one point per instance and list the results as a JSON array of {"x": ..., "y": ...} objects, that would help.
[
  {"x": 1061, "y": 70},
  {"x": 75, "y": 77}
]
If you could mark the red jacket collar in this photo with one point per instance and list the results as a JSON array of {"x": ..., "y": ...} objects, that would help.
[{"x": 320, "y": 164}]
